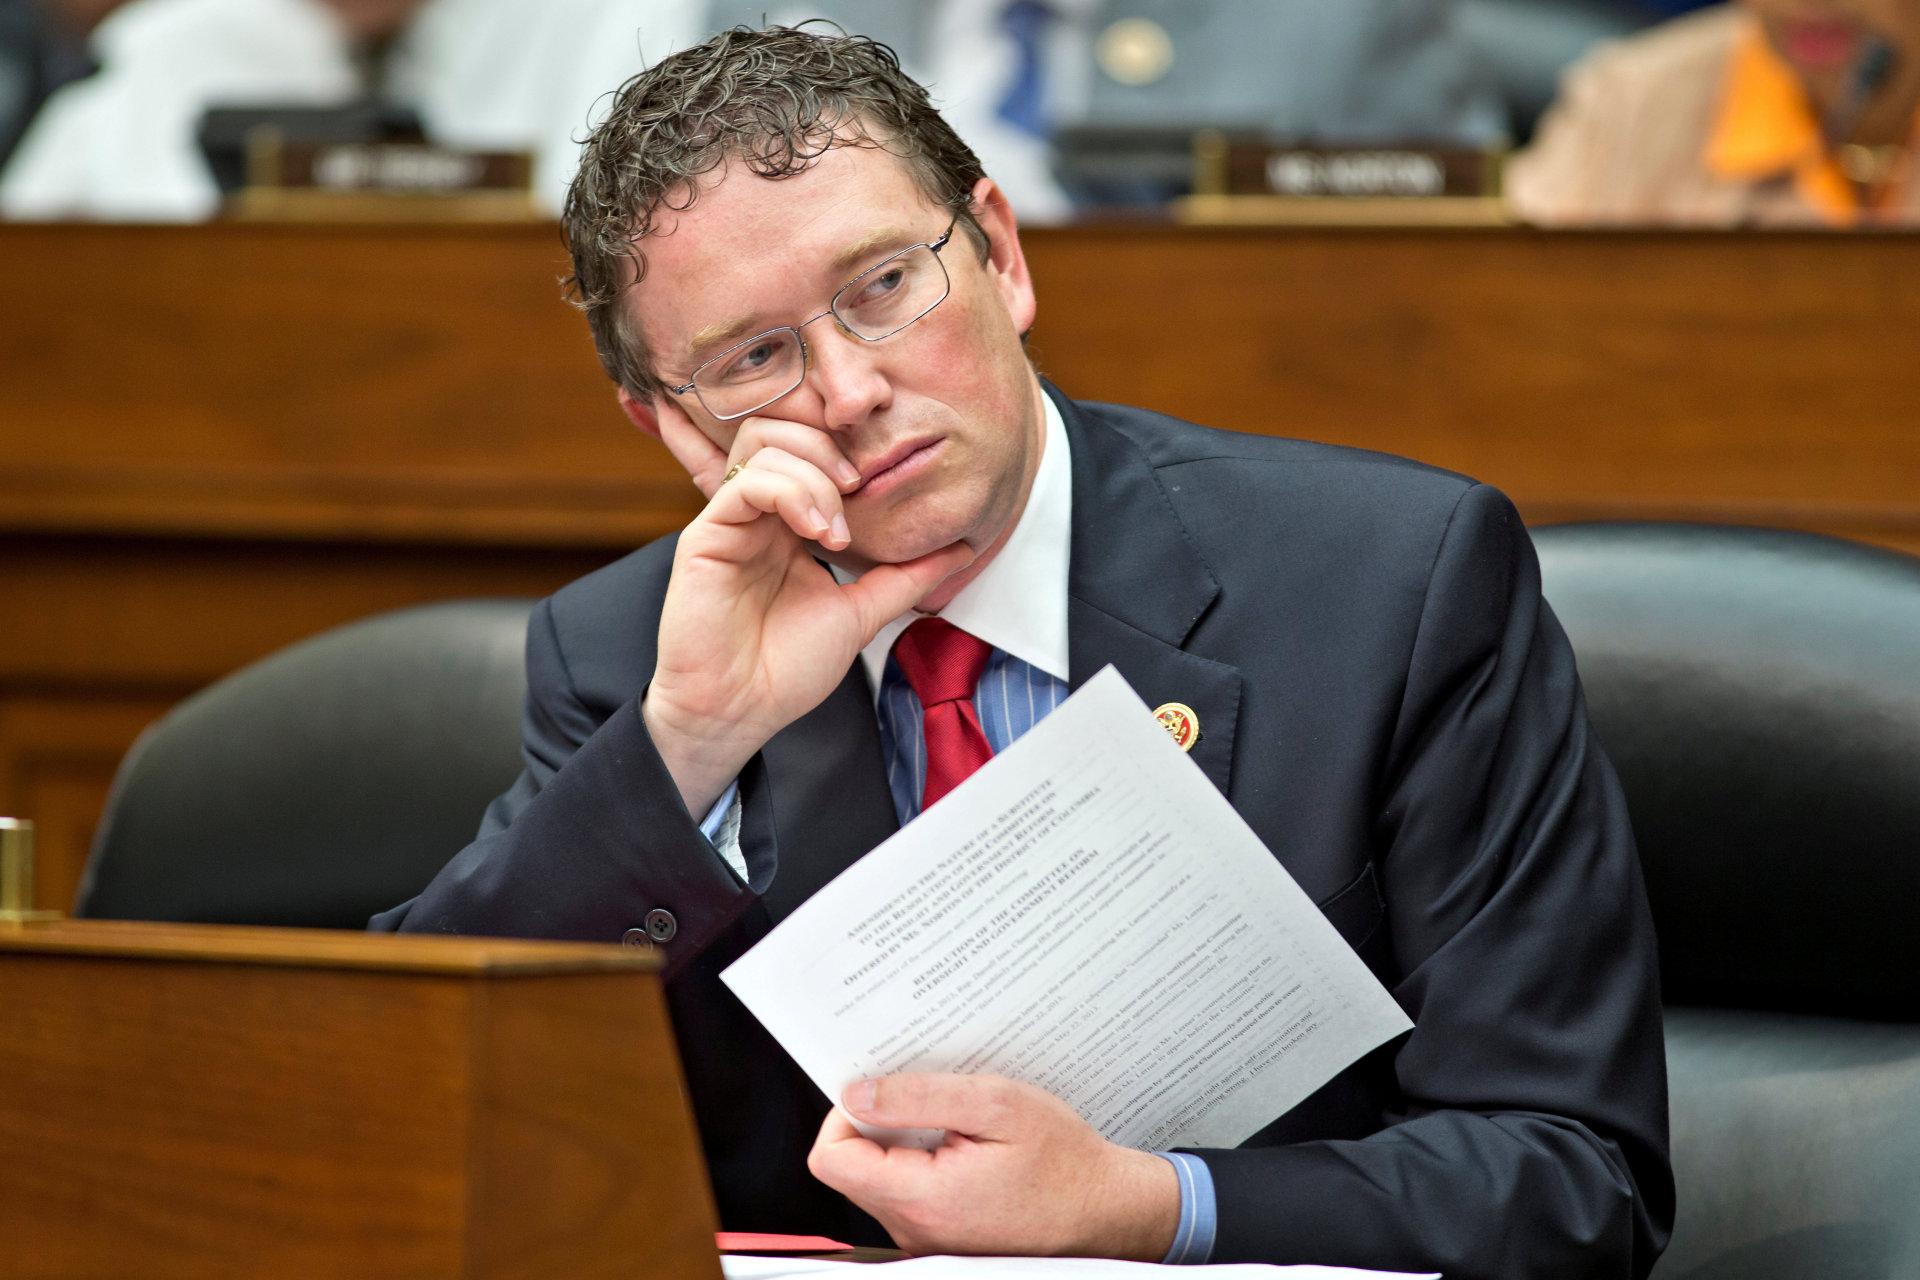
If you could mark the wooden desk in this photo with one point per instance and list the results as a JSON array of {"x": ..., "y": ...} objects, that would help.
[
  {"x": 215, "y": 440},
  {"x": 205, "y": 1101}
]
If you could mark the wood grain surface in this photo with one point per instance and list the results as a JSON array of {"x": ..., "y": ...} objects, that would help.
[
  {"x": 427, "y": 384},
  {"x": 321, "y": 948},
  {"x": 192, "y": 1112}
]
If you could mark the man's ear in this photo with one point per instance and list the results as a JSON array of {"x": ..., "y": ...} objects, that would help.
[
  {"x": 640, "y": 413},
  {"x": 1006, "y": 261}
]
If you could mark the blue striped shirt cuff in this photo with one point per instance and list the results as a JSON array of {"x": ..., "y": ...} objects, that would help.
[
  {"x": 710, "y": 825},
  {"x": 723, "y": 835},
  {"x": 1193, "y": 1241}
]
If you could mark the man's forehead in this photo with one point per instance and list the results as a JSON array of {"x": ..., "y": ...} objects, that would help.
[{"x": 747, "y": 249}]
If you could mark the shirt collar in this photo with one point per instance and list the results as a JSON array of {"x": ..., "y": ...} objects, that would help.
[{"x": 1018, "y": 604}]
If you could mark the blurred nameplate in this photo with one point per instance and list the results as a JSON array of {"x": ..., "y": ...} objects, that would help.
[
  {"x": 370, "y": 180},
  {"x": 1355, "y": 173},
  {"x": 1245, "y": 180}
]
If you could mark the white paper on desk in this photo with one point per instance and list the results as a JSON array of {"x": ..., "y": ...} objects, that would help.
[
  {"x": 752, "y": 1267},
  {"x": 1088, "y": 914}
]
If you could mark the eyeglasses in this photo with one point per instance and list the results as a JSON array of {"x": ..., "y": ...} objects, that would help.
[{"x": 876, "y": 304}]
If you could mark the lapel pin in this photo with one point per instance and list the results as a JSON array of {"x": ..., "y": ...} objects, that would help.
[{"x": 1181, "y": 724}]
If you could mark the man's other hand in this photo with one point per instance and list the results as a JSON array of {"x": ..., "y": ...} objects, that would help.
[{"x": 1020, "y": 1174}]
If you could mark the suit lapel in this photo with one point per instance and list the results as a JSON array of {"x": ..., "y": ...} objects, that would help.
[
  {"x": 1137, "y": 587},
  {"x": 821, "y": 799}
]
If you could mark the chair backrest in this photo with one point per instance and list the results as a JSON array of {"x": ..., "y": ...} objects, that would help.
[
  {"x": 1759, "y": 693},
  {"x": 324, "y": 783}
]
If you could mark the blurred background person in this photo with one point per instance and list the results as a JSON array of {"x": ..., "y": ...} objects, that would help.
[
  {"x": 1766, "y": 113},
  {"x": 1024, "y": 81},
  {"x": 43, "y": 45},
  {"x": 485, "y": 74},
  {"x": 1074, "y": 105}
]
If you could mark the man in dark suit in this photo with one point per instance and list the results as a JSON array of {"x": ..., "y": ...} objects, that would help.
[{"x": 805, "y": 286}]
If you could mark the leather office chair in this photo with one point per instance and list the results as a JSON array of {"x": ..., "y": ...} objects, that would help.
[
  {"x": 1759, "y": 693},
  {"x": 322, "y": 784}
]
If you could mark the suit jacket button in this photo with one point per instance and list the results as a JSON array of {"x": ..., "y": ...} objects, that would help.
[
  {"x": 636, "y": 938},
  {"x": 661, "y": 926}
]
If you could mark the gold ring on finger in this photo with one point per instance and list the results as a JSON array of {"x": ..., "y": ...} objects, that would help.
[{"x": 733, "y": 471}]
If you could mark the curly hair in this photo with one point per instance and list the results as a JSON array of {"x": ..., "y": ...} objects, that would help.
[{"x": 776, "y": 100}]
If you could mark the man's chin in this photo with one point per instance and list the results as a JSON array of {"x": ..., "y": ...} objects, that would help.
[{"x": 866, "y": 552}]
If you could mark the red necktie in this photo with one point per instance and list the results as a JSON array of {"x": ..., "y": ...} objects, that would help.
[{"x": 942, "y": 664}]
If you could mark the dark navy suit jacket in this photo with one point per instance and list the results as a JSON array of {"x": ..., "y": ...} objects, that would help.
[{"x": 1385, "y": 699}]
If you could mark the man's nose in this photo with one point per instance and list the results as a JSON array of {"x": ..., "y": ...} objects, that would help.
[{"x": 844, "y": 371}]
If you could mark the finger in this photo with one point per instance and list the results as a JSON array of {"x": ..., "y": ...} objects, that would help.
[
  {"x": 826, "y": 501},
  {"x": 762, "y": 491},
  {"x": 853, "y": 1164},
  {"x": 817, "y": 446},
  {"x": 886, "y": 591},
  {"x": 838, "y": 1128},
  {"x": 984, "y": 1107},
  {"x": 702, "y": 459}
]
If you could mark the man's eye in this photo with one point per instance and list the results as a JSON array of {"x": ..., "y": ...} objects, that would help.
[
  {"x": 751, "y": 361},
  {"x": 887, "y": 282}
]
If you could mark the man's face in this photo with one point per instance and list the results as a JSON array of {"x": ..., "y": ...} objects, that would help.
[
  {"x": 1825, "y": 39},
  {"x": 943, "y": 419}
]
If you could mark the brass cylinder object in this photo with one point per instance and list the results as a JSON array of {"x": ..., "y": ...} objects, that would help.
[{"x": 16, "y": 873}]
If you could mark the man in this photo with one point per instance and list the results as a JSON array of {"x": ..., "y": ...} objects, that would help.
[{"x": 807, "y": 289}]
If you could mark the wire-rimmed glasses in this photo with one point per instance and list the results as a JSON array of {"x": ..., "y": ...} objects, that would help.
[{"x": 876, "y": 304}]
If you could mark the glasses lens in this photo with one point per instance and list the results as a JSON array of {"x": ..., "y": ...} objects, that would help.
[
  {"x": 751, "y": 375},
  {"x": 891, "y": 296}
]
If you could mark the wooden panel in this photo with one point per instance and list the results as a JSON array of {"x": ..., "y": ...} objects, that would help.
[
  {"x": 1746, "y": 378},
  {"x": 284, "y": 948},
  {"x": 552, "y": 1176},
  {"x": 280, "y": 1112},
  {"x": 427, "y": 384},
  {"x": 402, "y": 382},
  {"x": 180, "y": 613},
  {"x": 180, "y": 1090}
]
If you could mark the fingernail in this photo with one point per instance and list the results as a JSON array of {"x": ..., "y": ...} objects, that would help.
[
  {"x": 859, "y": 1096},
  {"x": 817, "y": 521},
  {"x": 840, "y": 529},
  {"x": 848, "y": 473}
]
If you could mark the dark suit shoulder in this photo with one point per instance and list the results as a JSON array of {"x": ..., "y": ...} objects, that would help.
[
  {"x": 1168, "y": 442},
  {"x": 1243, "y": 495}
]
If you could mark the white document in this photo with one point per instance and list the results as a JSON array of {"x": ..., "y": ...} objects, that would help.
[
  {"x": 1088, "y": 914},
  {"x": 751, "y": 1267}
]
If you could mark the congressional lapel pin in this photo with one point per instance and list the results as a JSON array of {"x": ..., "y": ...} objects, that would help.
[
  {"x": 1181, "y": 724},
  {"x": 1134, "y": 51}
]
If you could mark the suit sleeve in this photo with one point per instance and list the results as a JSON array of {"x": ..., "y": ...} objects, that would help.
[
  {"x": 1532, "y": 1139},
  {"x": 590, "y": 838}
]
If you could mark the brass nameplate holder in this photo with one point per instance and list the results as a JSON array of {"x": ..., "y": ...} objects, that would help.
[
  {"x": 16, "y": 874},
  {"x": 1252, "y": 181},
  {"x": 382, "y": 181}
]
